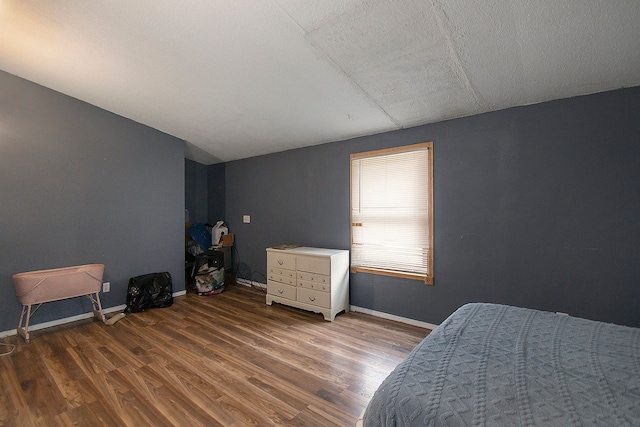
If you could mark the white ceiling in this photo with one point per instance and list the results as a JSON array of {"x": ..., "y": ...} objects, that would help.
[{"x": 240, "y": 78}]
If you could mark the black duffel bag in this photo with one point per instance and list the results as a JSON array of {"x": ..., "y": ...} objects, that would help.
[{"x": 153, "y": 290}]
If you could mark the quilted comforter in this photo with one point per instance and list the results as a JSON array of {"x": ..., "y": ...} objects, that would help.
[{"x": 497, "y": 365}]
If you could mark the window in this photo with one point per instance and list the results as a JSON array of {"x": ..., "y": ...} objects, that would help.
[{"x": 392, "y": 212}]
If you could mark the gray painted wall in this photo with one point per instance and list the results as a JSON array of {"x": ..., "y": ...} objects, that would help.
[
  {"x": 81, "y": 185},
  {"x": 536, "y": 206},
  {"x": 196, "y": 191},
  {"x": 204, "y": 192},
  {"x": 216, "y": 200}
]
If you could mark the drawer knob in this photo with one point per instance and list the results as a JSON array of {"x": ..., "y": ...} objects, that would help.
[
  {"x": 280, "y": 262},
  {"x": 280, "y": 291},
  {"x": 312, "y": 298}
]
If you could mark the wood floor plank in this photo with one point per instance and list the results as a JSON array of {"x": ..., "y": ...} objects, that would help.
[
  {"x": 11, "y": 403},
  {"x": 65, "y": 385},
  {"x": 190, "y": 393},
  {"x": 99, "y": 413},
  {"x": 224, "y": 360}
]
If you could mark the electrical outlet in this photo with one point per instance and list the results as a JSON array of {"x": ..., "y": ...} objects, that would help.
[
  {"x": 106, "y": 287},
  {"x": 246, "y": 219}
]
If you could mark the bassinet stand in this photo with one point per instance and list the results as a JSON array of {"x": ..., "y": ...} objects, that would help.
[{"x": 24, "y": 331}]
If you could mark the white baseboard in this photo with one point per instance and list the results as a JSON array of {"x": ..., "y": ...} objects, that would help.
[
  {"x": 393, "y": 317},
  {"x": 66, "y": 320},
  {"x": 245, "y": 282}
]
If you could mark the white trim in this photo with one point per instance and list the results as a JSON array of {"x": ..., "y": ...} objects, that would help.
[
  {"x": 113, "y": 309},
  {"x": 393, "y": 317},
  {"x": 245, "y": 282},
  {"x": 74, "y": 318}
]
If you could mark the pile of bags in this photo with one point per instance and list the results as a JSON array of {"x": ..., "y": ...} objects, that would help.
[
  {"x": 154, "y": 290},
  {"x": 209, "y": 276}
]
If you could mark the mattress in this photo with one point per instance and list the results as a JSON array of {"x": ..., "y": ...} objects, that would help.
[{"x": 497, "y": 365}]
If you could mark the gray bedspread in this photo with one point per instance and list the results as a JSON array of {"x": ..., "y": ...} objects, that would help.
[{"x": 497, "y": 365}]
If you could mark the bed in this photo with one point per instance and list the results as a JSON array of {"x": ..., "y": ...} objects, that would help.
[
  {"x": 497, "y": 365},
  {"x": 41, "y": 286}
]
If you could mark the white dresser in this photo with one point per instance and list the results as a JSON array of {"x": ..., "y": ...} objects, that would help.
[{"x": 313, "y": 279}]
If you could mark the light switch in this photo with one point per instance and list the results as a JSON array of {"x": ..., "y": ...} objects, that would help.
[{"x": 246, "y": 219}]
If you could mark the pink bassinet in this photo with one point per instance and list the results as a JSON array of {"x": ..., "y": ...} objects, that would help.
[{"x": 38, "y": 287}]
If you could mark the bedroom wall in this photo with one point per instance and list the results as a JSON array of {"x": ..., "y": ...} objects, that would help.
[
  {"x": 216, "y": 185},
  {"x": 81, "y": 185},
  {"x": 204, "y": 191},
  {"x": 196, "y": 191},
  {"x": 536, "y": 206}
]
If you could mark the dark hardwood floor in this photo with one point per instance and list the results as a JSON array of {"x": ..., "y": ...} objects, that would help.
[{"x": 228, "y": 360}]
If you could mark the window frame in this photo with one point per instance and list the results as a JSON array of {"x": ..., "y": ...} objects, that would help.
[{"x": 428, "y": 277}]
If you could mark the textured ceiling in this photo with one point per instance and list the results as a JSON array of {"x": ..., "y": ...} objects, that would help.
[{"x": 242, "y": 78}]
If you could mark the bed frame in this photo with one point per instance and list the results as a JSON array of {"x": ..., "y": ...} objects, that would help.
[{"x": 41, "y": 286}]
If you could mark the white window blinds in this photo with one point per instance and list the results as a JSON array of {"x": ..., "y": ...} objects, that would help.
[{"x": 391, "y": 226}]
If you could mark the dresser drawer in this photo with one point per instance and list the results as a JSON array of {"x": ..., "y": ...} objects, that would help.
[
  {"x": 312, "y": 277},
  {"x": 324, "y": 287},
  {"x": 314, "y": 265},
  {"x": 281, "y": 290},
  {"x": 281, "y": 260},
  {"x": 281, "y": 272},
  {"x": 287, "y": 280},
  {"x": 313, "y": 297}
]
